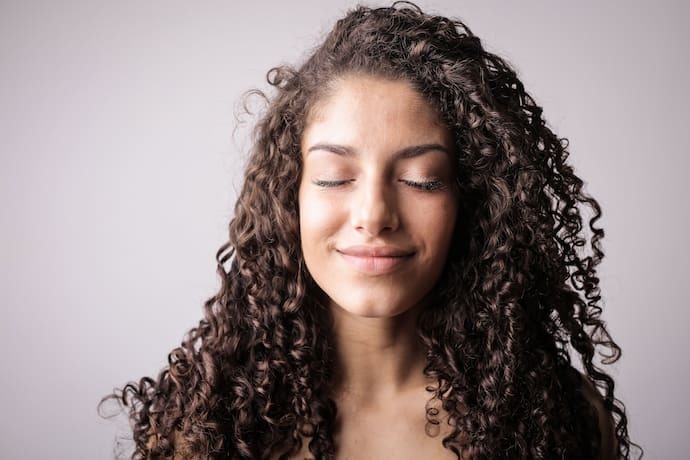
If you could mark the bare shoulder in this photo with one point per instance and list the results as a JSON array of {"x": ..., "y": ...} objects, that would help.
[{"x": 609, "y": 442}]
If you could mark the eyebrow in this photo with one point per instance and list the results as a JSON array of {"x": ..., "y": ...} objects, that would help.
[{"x": 407, "y": 152}]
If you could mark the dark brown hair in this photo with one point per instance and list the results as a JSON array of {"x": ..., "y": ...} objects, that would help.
[{"x": 519, "y": 288}]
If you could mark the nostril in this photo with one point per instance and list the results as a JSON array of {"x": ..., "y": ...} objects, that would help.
[{"x": 375, "y": 208}]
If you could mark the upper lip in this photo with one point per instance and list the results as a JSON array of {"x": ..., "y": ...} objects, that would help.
[{"x": 375, "y": 251}]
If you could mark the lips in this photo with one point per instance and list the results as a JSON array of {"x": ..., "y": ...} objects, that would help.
[{"x": 375, "y": 260}]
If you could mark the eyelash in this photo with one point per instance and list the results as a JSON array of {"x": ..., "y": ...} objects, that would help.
[
  {"x": 330, "y": 183},
  {"x": 427, "y": 186}
]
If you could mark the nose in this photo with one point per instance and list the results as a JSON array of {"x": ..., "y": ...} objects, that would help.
[{"x": 375, "y": 211}]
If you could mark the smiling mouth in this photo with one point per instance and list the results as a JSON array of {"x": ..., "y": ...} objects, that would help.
[{"x": 375, "y": 262}]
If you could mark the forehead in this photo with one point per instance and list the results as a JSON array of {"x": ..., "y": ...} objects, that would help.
[
  {"x": 354, "y": 91},
  {"x": 364, "y": 107}
]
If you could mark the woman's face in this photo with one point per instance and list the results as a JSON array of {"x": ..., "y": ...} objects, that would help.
[{"x": 376, "y": 197}]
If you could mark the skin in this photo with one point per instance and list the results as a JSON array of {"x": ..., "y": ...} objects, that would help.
[{"x": 358, "y": 189}]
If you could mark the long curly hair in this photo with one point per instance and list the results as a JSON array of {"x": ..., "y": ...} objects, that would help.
[{"x": 518, "y": 295}]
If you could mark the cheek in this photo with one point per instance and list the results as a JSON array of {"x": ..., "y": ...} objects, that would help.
[
  {"x": 438, "y": 223},
  {"x": 319, "y": 218}
]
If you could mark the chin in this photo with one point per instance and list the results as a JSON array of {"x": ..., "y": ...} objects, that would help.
[{"x": 370, "y": 309}]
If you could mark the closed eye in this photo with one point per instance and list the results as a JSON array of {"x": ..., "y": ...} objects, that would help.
[
  {"x": 331, "y": 183},
  {"x": 427, "y": 186}
]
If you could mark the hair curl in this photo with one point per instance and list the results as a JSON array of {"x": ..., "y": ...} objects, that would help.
[{"x": 517, "y": 291}]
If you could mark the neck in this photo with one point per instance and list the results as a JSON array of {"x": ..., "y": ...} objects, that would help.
[{"x": 377, "y": 359}]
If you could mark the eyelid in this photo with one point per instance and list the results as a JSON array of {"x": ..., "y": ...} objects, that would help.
[
  {"x": 425, "y": 185},
  {"x": 330, "y": 183}
]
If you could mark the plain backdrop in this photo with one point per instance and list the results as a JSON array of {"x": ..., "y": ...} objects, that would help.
[{"x": 119, "y": 171}]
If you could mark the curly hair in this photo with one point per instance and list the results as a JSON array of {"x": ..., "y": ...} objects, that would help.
[{"x": 518, "y": 290}]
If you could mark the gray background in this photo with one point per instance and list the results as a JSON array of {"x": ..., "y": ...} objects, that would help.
[{"x": 119, "y": 171}]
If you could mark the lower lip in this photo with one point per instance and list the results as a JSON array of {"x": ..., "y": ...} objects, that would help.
[{"x": 375, "y": 265}]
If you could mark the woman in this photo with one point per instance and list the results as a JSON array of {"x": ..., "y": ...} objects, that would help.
[{"x": 404, "y": 276}]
